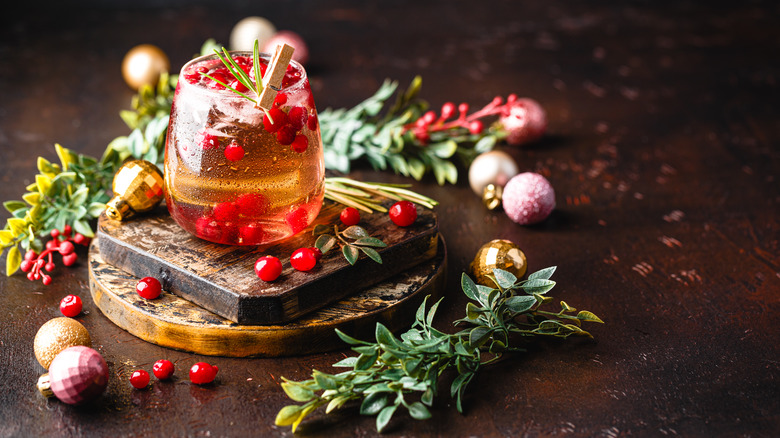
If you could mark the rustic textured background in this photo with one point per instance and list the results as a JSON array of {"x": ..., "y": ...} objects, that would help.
[{"x": 662, "y": 148}]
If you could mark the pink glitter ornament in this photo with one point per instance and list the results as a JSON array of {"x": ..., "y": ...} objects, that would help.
[
  {"x": 525, "y": 122},
  {"x": 76, "y": 375},
  {"x": 528, "y": 198},
  {"x": 301, "y": 53}
]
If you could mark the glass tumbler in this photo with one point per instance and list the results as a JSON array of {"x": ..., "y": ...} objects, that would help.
[{"x": 235, "y": 174}]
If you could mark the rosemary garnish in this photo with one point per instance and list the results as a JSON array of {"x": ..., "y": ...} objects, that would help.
[{"x": 360, "y": 195}]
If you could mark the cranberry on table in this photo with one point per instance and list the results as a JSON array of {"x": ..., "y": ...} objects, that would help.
[
  {"x": 163, "y": 369},
  {"x": 303, "y": 259},
  {"x": 268, "y": 268},
  {"x": 202, "y": 373},
  {"x": 234, "y": 151},
  {"x": 403, "y": 213},
  {"x": 149, "y": 288},
  {"x": 317, "y": 252},
  {"x": 139, "y": 379},
  {"x": 350, "y": 216},
  {"x": 70, "y": 306}
]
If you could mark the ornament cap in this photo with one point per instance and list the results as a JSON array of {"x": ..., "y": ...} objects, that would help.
[
  {"x": 118, "y": 209},
  {"x": 138, "y": 187},
  {"x": 491, "y": 196},
  {"x": 44, "y": 385}
]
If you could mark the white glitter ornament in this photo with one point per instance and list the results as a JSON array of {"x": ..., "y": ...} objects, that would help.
[
  {"x": 246, "y": 31},
  {"x": 528, "y": 198}
]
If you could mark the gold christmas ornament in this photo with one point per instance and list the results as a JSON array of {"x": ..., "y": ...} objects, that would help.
[
  {"x": 138, "y": 187},
  {"x": 143, "y": 65},
  {"x": 501, "y": 254},
  {"x": 491, "y": 196},
  {"x": 56, "y": 335}
]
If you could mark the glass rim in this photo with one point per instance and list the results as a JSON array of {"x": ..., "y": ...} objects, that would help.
[{"x": 226, "y": 93}]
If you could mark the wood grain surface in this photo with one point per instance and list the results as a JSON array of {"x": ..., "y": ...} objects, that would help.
[
  {"x": 662, "y": 148},
  {"x": 221, "y": 278},
  {"x": 174, "y": 322}
]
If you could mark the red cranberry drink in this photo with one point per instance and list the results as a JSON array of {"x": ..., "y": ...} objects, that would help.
[{"x": 234, "y": 174}]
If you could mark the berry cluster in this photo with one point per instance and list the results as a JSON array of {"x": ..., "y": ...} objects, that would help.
[
  {"x": 201, "y": 373},
  {"x": 431, "y": 122},
  {"x": 269, "y": 268},
  {"x": 61, "y": 242}
]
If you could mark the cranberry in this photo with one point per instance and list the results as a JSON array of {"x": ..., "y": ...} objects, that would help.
[
  {"x": 252, "y": 234},
  {"x": 225, "y": 211},
  {"x": 403, "y": 213},
  {"x": 149, "y": 288},
  {"x": 268, "y": 268},
  {"x": 280, "y": 99},
  {"x": 447, "y": 110},
  {"x": 209, "y": 229},
  {"x": 476, "y": 127},
  {"x": 46, "y": 280},
  {"x": 52, "y": 244},
  {"x": 70, "y": 306},
  {"x": 55, "y": 233},
  {"x": 512, "y": 98},
  {"x": 286, "y": 135},
  {"x": 234, "y": 151},
  {"x": 297, "y": 117},
  {"x": 252, "y": 204},
  {"x": 317, "y": 252},
  {"x": 350, "y": 216},
  {"x": 139, "y": 379},
  {"x": 422, "y": 135},
  {"x": 300, "y": 144},
  {"x": 238, "y": 86},
  {"x": 463, "y": 108},
  {"x": 163, "y": 369},
  {"x": 66, "y": 248},
  {"x": 49, "y": 266},
  {"x": 206, "y": 141},
  {"x": 297, "y": 219},
  {"x": 202, "y": 373},
  {"x": 312, "y": 122},
  {"x": 67, "y": 230},
  {"x": 279, "y": 120},
  {"x": 303, "y": 259},
  {"x": 30, "y": 254},
  {"x": 213, "y": 84},
  {"x": 79, "y": 238},
  {"x": 429, "y": 117}
]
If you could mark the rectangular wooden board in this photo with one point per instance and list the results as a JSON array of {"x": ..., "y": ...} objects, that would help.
[{"x": 221, "y": 278}]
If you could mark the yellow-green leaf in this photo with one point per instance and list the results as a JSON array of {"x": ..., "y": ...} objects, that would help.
[
  {"x": 584, "y": 315},
  {"x": 6, "y": 237},
  {"x": 13, "y": 260},
  {"x": 306, "y": 411},
  {"x": 66, "y": 156},
  {"x": 32, "y": 198},
  {"x": 43, "y": 183},
  {"x": 17, "y": 225},
  {"x": 288, "y": 415}
]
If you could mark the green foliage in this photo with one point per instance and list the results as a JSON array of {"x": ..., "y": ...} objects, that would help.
[
  {"x": 381, "y": 139},
  {"x": 74, "y": 192},
  {"x": 353, "y": 240},
  {"x": 403, "y": 372}
]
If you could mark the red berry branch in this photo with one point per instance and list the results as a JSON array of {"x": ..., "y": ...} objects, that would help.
[{"x": 60, "y": 242}]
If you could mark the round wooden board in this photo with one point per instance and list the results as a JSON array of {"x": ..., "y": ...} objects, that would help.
[{"x": 173, "y": 322}]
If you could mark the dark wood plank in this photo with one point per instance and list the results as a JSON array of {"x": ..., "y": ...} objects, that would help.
[
  {"x": 174, "y": 322},
  {"x": 221, "y": 278}
]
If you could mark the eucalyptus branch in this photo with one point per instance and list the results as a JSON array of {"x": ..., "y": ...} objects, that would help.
[{"x": 404, "y": 372}]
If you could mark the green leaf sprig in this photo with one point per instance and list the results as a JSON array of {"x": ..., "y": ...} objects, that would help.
[
  {"x": 403, "y": 372},
  {"x": 385, "y": 140},
  {"x": 362, "y": 195},
  {"x": 353, "y": 240}
]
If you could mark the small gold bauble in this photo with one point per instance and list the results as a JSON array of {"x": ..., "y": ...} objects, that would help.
[
  {"x": 56, "y": 335},
  {"x": 143, "y": 65},
  {"x": 501, "y": 254},
  {"x": 138, "y": 187}
]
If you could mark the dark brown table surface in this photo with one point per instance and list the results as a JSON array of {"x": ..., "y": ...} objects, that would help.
[{"x": 662, "y": 149}]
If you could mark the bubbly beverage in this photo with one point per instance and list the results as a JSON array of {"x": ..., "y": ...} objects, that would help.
[{"x": 235, "y": 174}]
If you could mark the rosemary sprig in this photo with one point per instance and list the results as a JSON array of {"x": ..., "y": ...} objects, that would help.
[
  {"x": 386, "y": 372},
  {"x": 359, "y": 194}
]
